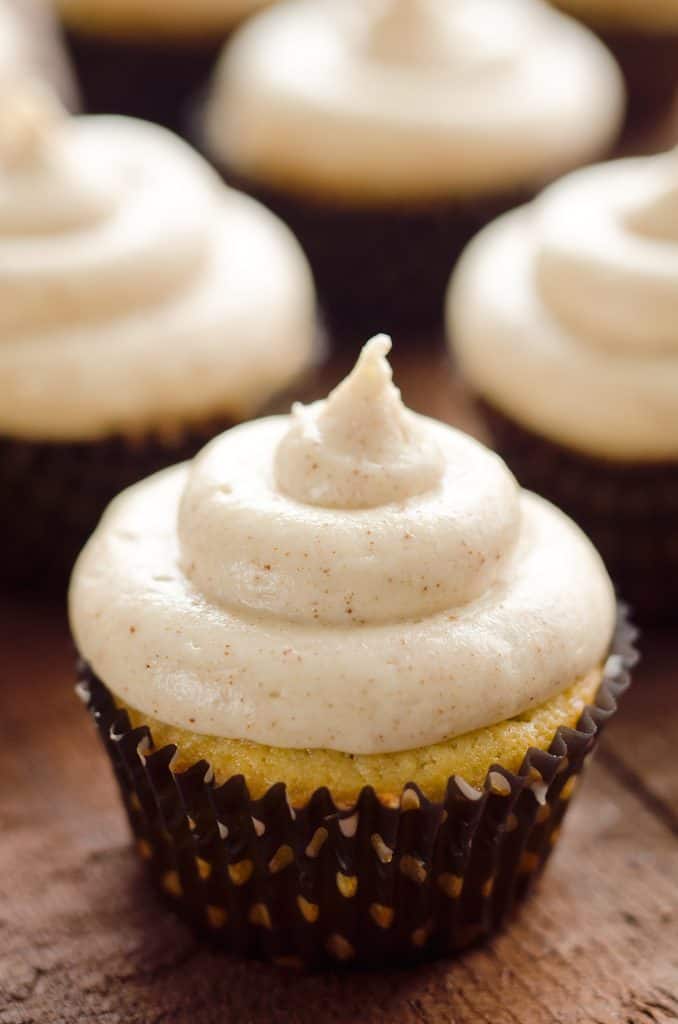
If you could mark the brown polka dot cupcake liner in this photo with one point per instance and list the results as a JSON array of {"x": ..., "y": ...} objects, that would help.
[
  {"x": 390, "y": 879},
  {"x": 151, "y": 80},
  {"x": 53, "y": 493},
  {"x": 381, "y": 268},
  {"x": 628, "y": 509}
]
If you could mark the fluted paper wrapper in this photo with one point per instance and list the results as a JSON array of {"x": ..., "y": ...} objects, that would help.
[
  {"x": 384, "y": 880},
  {"x": 53, "y": 493},
  {"x": 628, "y": 509}
]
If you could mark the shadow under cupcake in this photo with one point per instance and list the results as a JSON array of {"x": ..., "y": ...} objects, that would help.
[
  {"x": 563, "y": 317},
  {"x": 135, "y": 323},
  {"x": 348, "y": 676}
]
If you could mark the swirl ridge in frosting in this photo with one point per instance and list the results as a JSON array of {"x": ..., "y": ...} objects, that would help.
[
  {"x": 607, "y": 257},
  {"x": 566, "y": 312},
  {"x": 250, "y": 605},
  {"x": 126, "y": 268}
]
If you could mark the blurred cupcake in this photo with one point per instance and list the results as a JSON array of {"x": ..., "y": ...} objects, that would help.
[
  {"x": 348, "y": 675},
  {"x": 148, "y": 58},
  {"x": 30, "y": 45},
  {"x": 643, "y": 35},
  {"x": 387, "y": 132},
  {"x": 564, "y": 318},
  {"x": 143, "y": 305}
]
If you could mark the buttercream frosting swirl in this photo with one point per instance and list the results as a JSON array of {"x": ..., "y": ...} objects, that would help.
[
  {"x": 607, "y": 255},
  {"x": 360, "y": 448},
  {"x": 135, "y": 288},
  {"x": 575, "y": 325},
  {"x": 419, "y": 98},
  {"x": 235, "y": 597}
]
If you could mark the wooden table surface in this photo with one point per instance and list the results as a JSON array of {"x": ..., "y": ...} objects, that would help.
[{"x": 83, "y": 939}]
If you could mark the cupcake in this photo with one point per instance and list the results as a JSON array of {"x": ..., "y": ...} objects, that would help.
[
  {"x": 563, "y": 316},
  {"x": 30, "y": 45},
  {"x": 143, "y": 307},
  {"x": 348, "y": 675},
  {"x": 643, "y": 35},
  {"x": 387, "y": 133},
  {"x": 147, "y": 58}
]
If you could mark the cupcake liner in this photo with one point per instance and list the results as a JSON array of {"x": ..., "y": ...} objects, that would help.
[
  {"x": 381, "y": 268},
  {"x": 53, "y": 493},
  {"x": 155, "y": 81},
  {"x": 628, "y": 509},
  {"x": 388, "y": 879}
]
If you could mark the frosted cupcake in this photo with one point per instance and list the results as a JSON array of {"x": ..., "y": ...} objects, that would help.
[
  {"x": 148, "y": 58},
  {"x": 643, "y": 35},
  {"x": 143, "y": 306},
  {"x": 386, "y": 133},
  {"x": 348, "y": 675},
  {"x": 564, "y": 318},
  {"x": 30, "y": 46}
]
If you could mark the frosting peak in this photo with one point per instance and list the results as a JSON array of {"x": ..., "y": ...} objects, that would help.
[
  {"x": 366, "y": 630},
  {"x": 360, "y": 448},
  {"x": 443, "y": 34},
  {"x": 346, "y": 512}
]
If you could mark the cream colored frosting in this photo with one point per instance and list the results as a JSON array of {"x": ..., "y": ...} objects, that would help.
[
  {"x": 411, "y": 99},
  {"x": 12, "y": 43},
  {"x": 643, "y": 15},
  {"x": 258, "y": 593},
  {"x": 29, "y": 45},
  {"x": 156, "y": 18},
  {"x": 135, "y": 289},
  {"x": 565, "y": 313}
]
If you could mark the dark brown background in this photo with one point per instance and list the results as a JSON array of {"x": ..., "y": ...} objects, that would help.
[{"x": 81, "y": 938}]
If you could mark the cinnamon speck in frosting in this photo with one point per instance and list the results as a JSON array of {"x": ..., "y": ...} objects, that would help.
[{"x": 414, "y": 600}]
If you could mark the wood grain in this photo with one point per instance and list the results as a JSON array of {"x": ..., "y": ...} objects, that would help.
[{"x": 83, "y": 940}]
